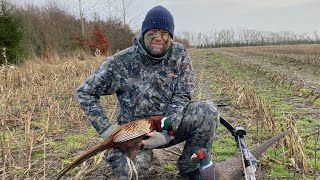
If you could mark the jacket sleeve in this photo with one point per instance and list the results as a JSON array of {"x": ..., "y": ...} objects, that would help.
[
  {"x": 101, "y": 82},
  {"x": 183, "y": 91}
]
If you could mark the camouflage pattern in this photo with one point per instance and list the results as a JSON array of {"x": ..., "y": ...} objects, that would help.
[
  {"x": 149, "y": 86},
  {"x": 198, "y": 128},
  {"x": 117, "y": 159},
  {"x": 144, "y": 85}
]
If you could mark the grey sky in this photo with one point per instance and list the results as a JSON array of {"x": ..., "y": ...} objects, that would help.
[
  {"x": 268, "y": 15},
  {"x": 207, "y": 15}
]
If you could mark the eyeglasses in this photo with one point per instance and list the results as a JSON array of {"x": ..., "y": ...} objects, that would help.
[{"x": 155, "y": 33}]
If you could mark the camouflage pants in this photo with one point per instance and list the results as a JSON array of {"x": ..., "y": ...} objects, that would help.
[{"x": 198, "y": 128}]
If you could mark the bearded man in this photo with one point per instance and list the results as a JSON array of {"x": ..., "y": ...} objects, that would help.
[{"x": 153, "y": 77}]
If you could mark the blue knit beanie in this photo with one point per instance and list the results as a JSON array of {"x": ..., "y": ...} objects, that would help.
[{"x": 158, "y": 18}]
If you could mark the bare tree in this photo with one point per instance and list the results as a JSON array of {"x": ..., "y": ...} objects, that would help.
[
  {"x": 316, "y": 36},
  {"x": 81, "y": 17},
  {"x": 130, "y": 11}
]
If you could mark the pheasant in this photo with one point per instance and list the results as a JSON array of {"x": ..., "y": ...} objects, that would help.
[
  {"x": 231, "y": 168},
  {"x": 128, "y": 138}
]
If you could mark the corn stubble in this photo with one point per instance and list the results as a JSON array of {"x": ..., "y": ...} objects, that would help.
[{"x": 37, "y": 108}]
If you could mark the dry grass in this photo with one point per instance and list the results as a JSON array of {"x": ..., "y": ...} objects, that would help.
[
  {"x": 38, "y": 111},
  {"x": 299, "y": 77},
  {"x": 296, "y": 149},
  {"x": 308, "y": 54},
  {"x": 37, "y": 106},
  {"x": 260, "y": 115}
]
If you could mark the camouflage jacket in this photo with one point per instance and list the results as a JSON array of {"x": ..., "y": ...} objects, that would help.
[{"x": 144, "y": 85}]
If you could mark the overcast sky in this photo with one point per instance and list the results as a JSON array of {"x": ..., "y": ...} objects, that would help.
[
  {"x": 268, "y": 15},
  {"x": 207, "y": 15}
]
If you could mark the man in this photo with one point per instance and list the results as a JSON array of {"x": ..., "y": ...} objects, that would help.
[{"x": 153, "y": 77}]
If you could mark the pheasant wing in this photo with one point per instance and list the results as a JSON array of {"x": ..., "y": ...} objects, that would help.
[{"x": 132, "y": 130}]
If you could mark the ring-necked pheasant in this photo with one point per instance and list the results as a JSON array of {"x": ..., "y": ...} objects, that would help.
[
  {"x": 128, "y": 137},
  {"x": 232, "y": 168}
]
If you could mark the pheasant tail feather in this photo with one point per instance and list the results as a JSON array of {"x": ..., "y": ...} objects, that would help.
[{"x": 106, "y": 144}]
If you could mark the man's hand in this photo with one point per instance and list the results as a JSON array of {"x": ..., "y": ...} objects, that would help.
[
  {"x": 106, "y": 133},
  {"x": 156, "y": 139}
]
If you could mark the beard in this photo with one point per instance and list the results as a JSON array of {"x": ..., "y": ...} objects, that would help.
[{"x": 156, "y": 51}]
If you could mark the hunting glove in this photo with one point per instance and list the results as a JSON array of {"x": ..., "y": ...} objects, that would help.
[
  {"x": 106, "y": 133},
  {"x": 157, "y": 140}
]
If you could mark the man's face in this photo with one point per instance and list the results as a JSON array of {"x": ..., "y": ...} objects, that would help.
[{"x": 157, "y": 41}]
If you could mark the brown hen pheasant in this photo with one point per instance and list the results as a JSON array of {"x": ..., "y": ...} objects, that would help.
[{"x": 128, "y": 137}]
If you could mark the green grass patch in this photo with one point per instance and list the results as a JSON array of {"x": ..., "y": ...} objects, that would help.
[
  {"x": 74, "y": 141},
  {"x": 170, "y": 167},
  {"x": 75, "y": 170},
  {"x": 66, "y": 161},
  {"x": 229, "y": 67},
  {"x": 39, "y": 153},
  {"x": 305, "y": 121},
  {"x": 91, "y": 132},
  {"x": 218, "y": 88},
  {"x": 275, "y": 153},
  {"x": 224, "y": 148},
  {"x": 317, "y": 102},
  {"x": 215, "y": 85},
  {"x": 279, "y": 171}
]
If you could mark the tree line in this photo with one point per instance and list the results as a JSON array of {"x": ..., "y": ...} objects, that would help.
[
  {"x": 28, "y": 31},
  {"x": 33, "y": 31},
  {"x": 248, "y": 37}
]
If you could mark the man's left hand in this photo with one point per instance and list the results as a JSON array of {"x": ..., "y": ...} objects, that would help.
[{"x": 156, "y": 139}]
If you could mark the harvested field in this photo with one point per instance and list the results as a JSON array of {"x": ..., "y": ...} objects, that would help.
[{"x": 267, "y": 89}]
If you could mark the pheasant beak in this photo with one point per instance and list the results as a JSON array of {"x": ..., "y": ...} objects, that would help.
[{"x": 194, "y": 155}]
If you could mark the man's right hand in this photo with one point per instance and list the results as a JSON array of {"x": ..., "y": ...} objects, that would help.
[{"x": 106, "y": 133}]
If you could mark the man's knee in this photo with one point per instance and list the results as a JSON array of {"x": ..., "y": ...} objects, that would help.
[
  {"x": 207, "y": 106},
  {"x": 204, "y": 112},
  {"x": 118, "y": 162},
  {"x": 200, "y": 118},
  {"x": 143, "y": 163}
]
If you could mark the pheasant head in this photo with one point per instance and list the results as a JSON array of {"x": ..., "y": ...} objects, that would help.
[{"x": 202, "y": 154}]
